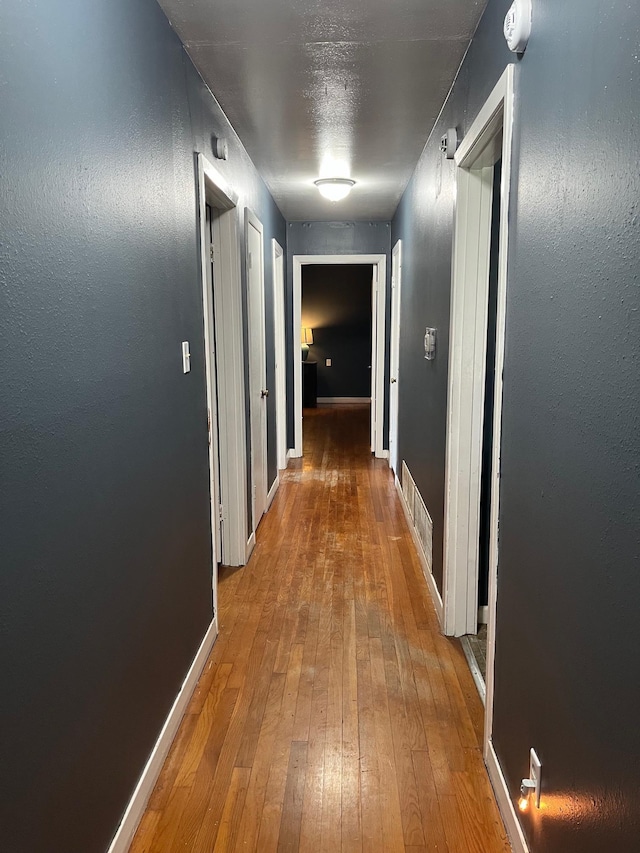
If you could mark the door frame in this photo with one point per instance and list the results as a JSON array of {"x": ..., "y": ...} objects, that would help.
[
  {"x": 225, "y": 305},
  {"x": 394, "y": 352},
  {"x": 279, "y": 329},
  {"x": 378, "y": 342},
  {"x": 474, "y": 162},
  {"x": 251, "y": 220}
]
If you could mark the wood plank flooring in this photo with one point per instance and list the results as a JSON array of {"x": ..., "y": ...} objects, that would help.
[{"x": 332, "y": 715}]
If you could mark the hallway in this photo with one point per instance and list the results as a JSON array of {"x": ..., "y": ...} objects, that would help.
[{"x": 332, "y": 714}]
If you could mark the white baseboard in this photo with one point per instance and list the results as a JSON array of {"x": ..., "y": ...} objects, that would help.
[
  {"x": 272, "y": 491},
  {"x": 251, "y": 544},
  {"x": 384, "y": 454},
  {"x": 338, "y": 400},
  {"x": 138, "y": 802},
  {"x": 475, "y": 669},
  {"x": 431, "y": 583},
  {"x": 287, "y": 458},
  {"x": 293, "y": 454},
  {"x": 505, "y": 803}
]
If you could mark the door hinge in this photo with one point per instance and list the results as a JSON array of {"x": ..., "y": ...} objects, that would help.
[
  {"x": 209, "y": 426},
  {"x": 212, "y": 253},
  {"x": 221, "y": 512}
]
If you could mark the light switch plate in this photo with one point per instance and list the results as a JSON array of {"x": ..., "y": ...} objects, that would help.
[
  {"x": 186, "y": 357},
  {"x": 328, "y": 362}
]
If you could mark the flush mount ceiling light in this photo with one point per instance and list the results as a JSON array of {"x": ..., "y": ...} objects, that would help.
[{"x": 335, "y": 189}]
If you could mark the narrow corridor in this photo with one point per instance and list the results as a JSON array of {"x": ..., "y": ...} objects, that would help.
[{"x": 332, "y": 714}]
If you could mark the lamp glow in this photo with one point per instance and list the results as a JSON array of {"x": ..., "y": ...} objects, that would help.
[
  {"x": 334, "y": 189},
  {"x": 306, "y": 338}
]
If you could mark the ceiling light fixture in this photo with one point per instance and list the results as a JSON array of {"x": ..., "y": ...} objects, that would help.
[{"x": 335, "y": 189}]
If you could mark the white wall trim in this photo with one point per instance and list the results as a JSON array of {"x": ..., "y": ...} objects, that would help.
[
  {"x": 140, "y": 797},
  {"x": 505, "y": 803},
  {"x": 338, "y": 400},
  {"x": 287, "y": 458},
  {"x": 272, "y": 491},
  {"x": 378, "y": 337},
  {"x": 431, "y": 583},
  {"x": 251, "y": 544},
  {"x": 475, "y": 669},
  {"x": 256, "y": 328},
  {"x": 474, "y": 160},
  {"x": 469, "y": 298},
  {"x": 279, "y": 326},
  {"x": 213, "y": 188},
  {"x": 394, "y": 354}
]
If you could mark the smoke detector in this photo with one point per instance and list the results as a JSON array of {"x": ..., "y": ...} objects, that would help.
[
  {"x": 517, "y": 25},
  {"x": 449, "y": 143}
]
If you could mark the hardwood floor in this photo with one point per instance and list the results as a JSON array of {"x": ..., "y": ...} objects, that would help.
[{"x": 332, "y": 714}]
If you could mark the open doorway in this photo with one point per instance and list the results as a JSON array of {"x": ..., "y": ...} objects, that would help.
[
  {"x": 474, "y": 416},
  {"x": 224, "y": 344},
  {"x": 377, "y": 295},
  {"x": 336, "y": 320}
]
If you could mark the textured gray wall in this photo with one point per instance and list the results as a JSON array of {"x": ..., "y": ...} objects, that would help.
[
  {"x": 569, "y": 580},
  {"x": 334, "y": 238},
  {"x": 105, "y": 579},
  {"x": 336, "y": 303}
]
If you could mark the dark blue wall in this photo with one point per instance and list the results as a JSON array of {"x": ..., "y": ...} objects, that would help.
[
  {"x": 568, "y": 624},
  {"x": 105, "y": 555},
  {"x": 334, "y": 238},
  {"x": 336, "y": 303}
]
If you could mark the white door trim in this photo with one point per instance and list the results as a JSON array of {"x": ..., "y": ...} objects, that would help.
[
  {"x": 469, "y": 298},
  {"x": 257, "y": 501},
  {"x": 280, "y": 352},
  {"x": 378, "y": 342},
  {"x": 226, "y": 299},
  {"x": 394, "y": 353}
]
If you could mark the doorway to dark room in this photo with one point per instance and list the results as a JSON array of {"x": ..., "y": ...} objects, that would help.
[{"x": 336, "y": 335}]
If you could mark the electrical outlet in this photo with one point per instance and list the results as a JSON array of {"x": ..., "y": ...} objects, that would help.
[
  {"x": 327, "y": 362},
  {"x": 535, "y": 774}
]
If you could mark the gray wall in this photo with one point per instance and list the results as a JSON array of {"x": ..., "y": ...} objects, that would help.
[
  {"x": 105, "y": 579},
  {"x": 333, "y": 238},
  {"x": 569, "y": 581},
  {"x": 336, "y": 303}
]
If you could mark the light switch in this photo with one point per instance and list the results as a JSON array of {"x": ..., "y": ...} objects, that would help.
[
  {"x": 186, "y": 357},
  {"x": 328, "y": 362}
]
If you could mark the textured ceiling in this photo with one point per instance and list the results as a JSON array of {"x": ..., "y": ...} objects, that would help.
[{"x": 331, "y": 88}]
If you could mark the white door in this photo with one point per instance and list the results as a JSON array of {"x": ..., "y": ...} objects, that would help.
[
  {"x": 394, "y": 364},
  {"x": 281, "y": 354},
  {"x": 257, "y": 367},
  {"x": 212, "y": 395}
]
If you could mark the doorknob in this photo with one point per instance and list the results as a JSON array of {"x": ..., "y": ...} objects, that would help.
[{"x": 264, "y": 392}]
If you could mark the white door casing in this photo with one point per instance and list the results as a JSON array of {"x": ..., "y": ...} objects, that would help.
[
  {"x": 280, "y": 354},
  {"x": 394, "y": 354},
  {"x": 490, "y": 137},
  {"x": 212, "y": 383},
  {"x": 225, "y": 305},
  {"x": 258, "y": 391},
  {"x": 378, "y": 342}
]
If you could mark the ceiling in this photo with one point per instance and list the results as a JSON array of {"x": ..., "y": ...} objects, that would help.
[{"x": 329, "y": 88}]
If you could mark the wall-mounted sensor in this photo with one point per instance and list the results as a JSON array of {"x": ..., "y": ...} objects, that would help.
[
  {"x": 430, "y": 344},
  {"x": 517, "y": 25},
  {"x": 220, "y": 148},
  {"x": 449, "y": 143}
]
